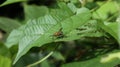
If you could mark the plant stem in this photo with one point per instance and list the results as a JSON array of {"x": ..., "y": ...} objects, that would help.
[{"x": 40, "y": 60}]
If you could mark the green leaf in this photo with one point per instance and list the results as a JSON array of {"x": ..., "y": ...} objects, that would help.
[
  {"x": 33, "y": 11},
  {"x": 40, "y": 31},
  {"x": 17, "y": 34},
  {"x": 8, "y": 25},
  {"x": 11, "y": 1},
  {"x": 5, "y": 62},
  {"x": 111, "y": 58}
]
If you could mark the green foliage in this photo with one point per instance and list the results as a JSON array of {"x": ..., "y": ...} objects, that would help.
[
  {"x": 77, "y": 31},
  {"x": 44, "y": 27}
]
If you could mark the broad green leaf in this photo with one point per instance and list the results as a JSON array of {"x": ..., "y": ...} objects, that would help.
[
  {"x": 40, "y": 31},
  {"x": 8, "y": 25},
  {"x": 111, "y": 59},
  {"x": 33, "y": 11},
  {"x": 11, "y": 1},
  {"x": 16, "y": 35},
  {"x": 5, "y": 62}
]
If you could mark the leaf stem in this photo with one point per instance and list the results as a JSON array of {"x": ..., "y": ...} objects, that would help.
[{"x": 40, "y": 60}]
